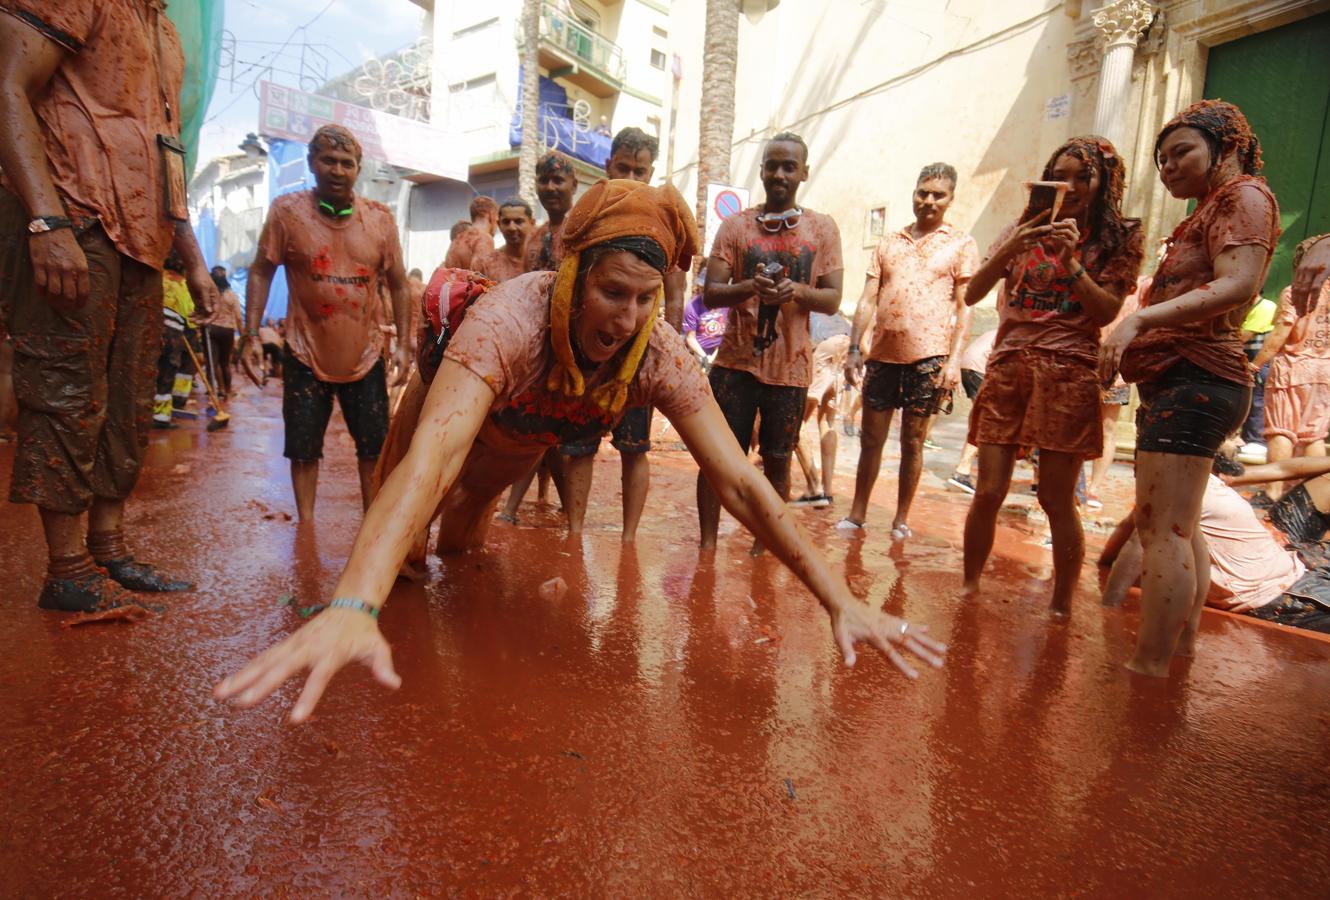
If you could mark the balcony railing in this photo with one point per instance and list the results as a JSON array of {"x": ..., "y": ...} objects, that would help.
[{"x": 580, "y": 44}]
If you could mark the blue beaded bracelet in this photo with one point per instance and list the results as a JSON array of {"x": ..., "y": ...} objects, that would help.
[{"x": 353, "y": 603}]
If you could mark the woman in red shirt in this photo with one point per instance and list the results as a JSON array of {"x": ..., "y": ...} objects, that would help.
[{"x": 1183, "y": 349}]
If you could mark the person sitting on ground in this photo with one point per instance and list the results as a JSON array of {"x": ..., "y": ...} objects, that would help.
[
  {"x": 537, "y": 360},
  {"x": 1248, "y": 571},
  {"x": 336, "y": 248},
  {"x": 1064, "y": 280},
  {"x": 632, "y": 157},
  {"x": 771, "y": 265},
  {"x": 1297, "y": 389},
  {"x": 1302, "y": 514},
  {"x": 916, "y": 290},
  {"x": 1183, "y": 350},
  {"x": 477, "y": 240},
  {"x": 974, "y": 360},
  {"x": 509, "y": 261}
]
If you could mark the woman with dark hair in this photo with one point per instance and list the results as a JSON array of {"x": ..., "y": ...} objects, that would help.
[
  {"x": 542, "y": 359},
  {"x": 1183, "y": 349},
  {"x": 1061, "y": 282}
]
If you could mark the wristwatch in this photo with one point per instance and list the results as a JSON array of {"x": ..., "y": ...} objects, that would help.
[{"x": 43, "y": 224}]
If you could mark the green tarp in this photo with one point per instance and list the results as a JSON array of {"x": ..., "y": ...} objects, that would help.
[{"x": 200, "y": 25}]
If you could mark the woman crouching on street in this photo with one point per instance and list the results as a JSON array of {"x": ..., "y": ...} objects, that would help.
[
  {"x": 1062, "y": 282},
  {"x": 1183, "y": 348},
  {"x": 544, "y": 359}
]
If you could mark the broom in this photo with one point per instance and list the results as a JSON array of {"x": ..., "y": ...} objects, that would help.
[{"x": 218, "y": 421}]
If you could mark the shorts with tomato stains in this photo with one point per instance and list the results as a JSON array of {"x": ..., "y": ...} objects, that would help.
[
  {"x": 1189, "y": 411},
  {"x": 307, "y": 404},
  {"x": 1039, "y": 398}
]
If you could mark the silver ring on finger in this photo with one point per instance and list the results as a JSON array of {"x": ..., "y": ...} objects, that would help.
[{"x": 905, "y": 626}]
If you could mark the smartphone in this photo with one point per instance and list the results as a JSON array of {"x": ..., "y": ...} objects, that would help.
[{"x": 1047, "y": 195}]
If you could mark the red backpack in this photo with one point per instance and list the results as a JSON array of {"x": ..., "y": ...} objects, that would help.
[{"x": 447, "y": 298}]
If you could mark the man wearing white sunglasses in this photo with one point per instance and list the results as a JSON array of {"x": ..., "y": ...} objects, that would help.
[{"x": 771, "y": 265}]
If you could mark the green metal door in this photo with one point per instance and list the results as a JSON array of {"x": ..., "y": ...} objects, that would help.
[{"x": 1281, "y": 80}]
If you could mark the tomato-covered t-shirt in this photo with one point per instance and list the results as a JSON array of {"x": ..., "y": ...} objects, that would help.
[
  {"x": 916, "y": 293},
  {"x": 1038, "y": 308},
  {"x": 807, "y": 252},
  {"x": 333, "y": 270},
  {"x": 504, "y": 339},
  {"x": 1241, "y": 212}
]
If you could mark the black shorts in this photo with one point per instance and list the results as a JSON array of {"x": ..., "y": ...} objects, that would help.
[
  {"x": 1189, "y": 411},
  {"x": 632, "y": 434},
  {"x": 912, "y": 387},
  {"x": 741, "y": 397},
  {"x": 1306, "y": 604},
  {"x": 307, "y": 406},
  {"x": 971, "y": 381}
]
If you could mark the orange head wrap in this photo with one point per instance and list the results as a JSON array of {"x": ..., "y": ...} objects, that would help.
[{"x": 610, "y": 211}]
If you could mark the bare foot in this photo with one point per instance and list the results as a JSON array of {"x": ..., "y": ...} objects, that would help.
[
  {"x": 1060, "y": 610},
  {"x": 970, "y": 589},
  {"x": 1143, "y": 668},
  {"x": 756, "y": 550},
  {"x": 413, "y": 571},
  {"x": 1186, "y": 645}
]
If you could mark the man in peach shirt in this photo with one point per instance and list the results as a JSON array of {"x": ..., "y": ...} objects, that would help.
[
  {"x": 509, "y": 261},
  {"x": 916, "y": 286}
]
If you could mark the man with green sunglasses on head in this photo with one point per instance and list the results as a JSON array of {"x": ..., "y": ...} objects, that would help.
[{"x": 336, "y": 247}]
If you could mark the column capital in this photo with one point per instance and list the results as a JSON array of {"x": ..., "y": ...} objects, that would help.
[{"x": 1122, "y": 22}]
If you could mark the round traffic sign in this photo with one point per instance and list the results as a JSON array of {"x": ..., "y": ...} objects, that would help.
[{"x": 728, "y": 204}]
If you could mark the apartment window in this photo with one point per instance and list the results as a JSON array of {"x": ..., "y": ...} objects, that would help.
[
  {"x": 478, "y": 27},
  {"x": 658, "y": 60}
]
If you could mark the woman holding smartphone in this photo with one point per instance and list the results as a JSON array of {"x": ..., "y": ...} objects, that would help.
[
  {"x": 1061, "y": 281},
  {"x": 1183, "y": 348}
]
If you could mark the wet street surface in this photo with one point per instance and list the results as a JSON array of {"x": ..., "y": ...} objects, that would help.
[{"x": 676, "y": 725}]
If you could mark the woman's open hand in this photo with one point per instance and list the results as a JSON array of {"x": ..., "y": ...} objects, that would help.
[
  {"x": 854, "y": 622},
  {"x": 332, "y": 639}
]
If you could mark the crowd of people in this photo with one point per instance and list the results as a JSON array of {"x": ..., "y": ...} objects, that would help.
[{"x": 514, "y": 360}]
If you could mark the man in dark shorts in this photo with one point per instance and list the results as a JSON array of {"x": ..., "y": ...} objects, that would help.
[
  {"x": 89, "y": 95},
  {"x": 632, "y": 157},
  {"x": 336, "y": 247},
  {"x": 771, "y": 265},
  {"x": 916, "y": 287}
]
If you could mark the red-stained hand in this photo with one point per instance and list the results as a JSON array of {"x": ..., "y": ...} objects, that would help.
[
  {"x": 950, "y": 377},
  {"x": 1063, "y": 237},
  {"x": 251, "y": 359},
  {"x": 1110, "y": 352},
  {"x": 204, "y": 291},
  {"x": 783, "y": 292},
  {"x": 854, "y": 367},
  {"x": 404, "y": 356},
  {"x": 334, "y": 638},
  {"x": 855, "y": 622},
  {"x": 764, "y": 287},
  {"x": 1026, "y": 235},
  {"x": 59, "y": 266}
]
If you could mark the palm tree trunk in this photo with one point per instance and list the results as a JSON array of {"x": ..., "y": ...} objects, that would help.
[
  {"x": 530, "y": 151},
  {"x": 720, "y": 57}
]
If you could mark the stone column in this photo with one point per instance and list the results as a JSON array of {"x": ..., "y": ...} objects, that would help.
[{"x": 1121, "y": 24}]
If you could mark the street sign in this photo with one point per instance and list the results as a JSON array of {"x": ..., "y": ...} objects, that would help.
[{"x": 723, "y": 201}]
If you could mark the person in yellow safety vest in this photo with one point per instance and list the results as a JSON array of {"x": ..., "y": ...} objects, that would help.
[
  {"x": 1259, "y": 323},
  {"x": 177, "y": 307}
]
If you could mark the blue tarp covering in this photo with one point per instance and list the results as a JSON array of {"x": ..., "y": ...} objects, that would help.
[{"x": 557, "y": 129}]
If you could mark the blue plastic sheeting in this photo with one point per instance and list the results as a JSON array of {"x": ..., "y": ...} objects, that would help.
[{"x": 557, "y": 129}]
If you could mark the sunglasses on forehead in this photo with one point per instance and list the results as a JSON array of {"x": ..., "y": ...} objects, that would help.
[{"x": 775, "y": 221}]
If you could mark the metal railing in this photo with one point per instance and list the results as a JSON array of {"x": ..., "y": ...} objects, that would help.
[{"x": 567, "y": 34}]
